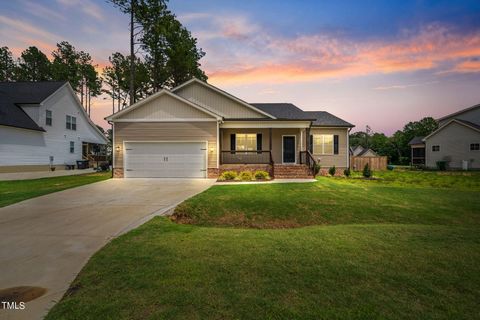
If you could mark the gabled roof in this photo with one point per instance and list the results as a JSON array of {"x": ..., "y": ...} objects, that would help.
[
  {"x": 365, "y": 150},
  {"x": 459, "y": 112},
  {"x": 467, "y": 124},
  {"x": 283, "y": 111},
  {"x": 14, "y": 94},
  {"x": 417, "y": 140},
  {"x": 224, "y": 93},
  {"x": 154, "y": 96},
  {"x": 325, "y": 119}
]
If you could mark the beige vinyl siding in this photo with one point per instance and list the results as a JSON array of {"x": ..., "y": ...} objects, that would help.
[
  {"x": 339, "y": 160},
  {"x": 471, "y": 115},
  {"x": 166, "y": 131},
  {"x": 216, "y": 102},
  {"x": 454, "y": 141},
  {"x": 165, "y": 107},
  {"x": 276, "y": 139}
]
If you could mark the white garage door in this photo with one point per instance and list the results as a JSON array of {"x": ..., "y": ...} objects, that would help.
[{"x": 165, "y": 159}]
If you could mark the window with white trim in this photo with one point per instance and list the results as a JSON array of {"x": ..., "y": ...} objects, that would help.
[
  {"x": 72, "y": 147},
  {"x": 246, "y": 141},
  {"x": 323, "y": 144},
  {"x": 48, "y": 117},
  {"x": 474, "y": 146},
  {"x": 71, "y": 123},
  {"x": 435, "y": 148}
]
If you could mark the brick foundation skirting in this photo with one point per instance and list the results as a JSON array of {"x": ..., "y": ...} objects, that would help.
[
  {"x": 213, "y": 173},
  {"x": 118, "y": 172}
]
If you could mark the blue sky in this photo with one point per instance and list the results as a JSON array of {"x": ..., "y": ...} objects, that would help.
[{"x": 381, "y": 63}]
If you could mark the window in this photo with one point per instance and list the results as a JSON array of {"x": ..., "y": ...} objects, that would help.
[
  {"x": 48, "y": 117},
  {"x": 246, "y": 141},
  {"x": 323, "y": 143},
  {"x": 71, "y": 123},
  {"x": 474, "y": 146},
  {"x": 435, "y": 148},
  {"x": 72, "y": 147}
]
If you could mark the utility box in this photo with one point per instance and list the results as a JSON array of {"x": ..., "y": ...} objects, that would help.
[{"x": 465, "y": 165}]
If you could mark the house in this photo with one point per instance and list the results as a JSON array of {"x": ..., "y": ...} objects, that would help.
[
  {"x": 359, "y": 151},
  {"x": 42, "y": 124},
  {"x": 198, "y": 130},
  {"x": 456, "y": 141}
]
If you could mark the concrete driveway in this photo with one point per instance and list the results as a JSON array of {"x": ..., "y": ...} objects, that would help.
[{"x": 46, "y": 241}]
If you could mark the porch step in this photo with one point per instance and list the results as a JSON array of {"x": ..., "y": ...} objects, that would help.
[{"x": 297, "y": 171}]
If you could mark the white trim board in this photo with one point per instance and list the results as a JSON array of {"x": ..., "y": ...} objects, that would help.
[{"x": 264, "y": 124}]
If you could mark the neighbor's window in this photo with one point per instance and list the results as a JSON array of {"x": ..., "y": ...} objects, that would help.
[
  {"x": 323, "y": 143},
  {"x": 48, "y": 117},
  {"x": 72, "y": 147},
  {"x": 71, "y": 123},
  {"x": 474, "y": 146},
  {"x": 246, "y": 141},
  {"x": 435, "y": 148}
]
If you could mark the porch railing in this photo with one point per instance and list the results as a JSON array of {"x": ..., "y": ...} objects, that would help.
[
  {"x": 246, "y": 157},
  {"x": 307, "y": 158}
]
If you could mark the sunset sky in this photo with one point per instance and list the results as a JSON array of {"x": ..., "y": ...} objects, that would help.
[{"x": 381, "y": 63}]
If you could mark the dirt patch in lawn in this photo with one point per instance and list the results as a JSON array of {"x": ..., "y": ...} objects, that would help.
[
  {"x": 21, "y": 294},
  {"x": 239, "y": 220}
]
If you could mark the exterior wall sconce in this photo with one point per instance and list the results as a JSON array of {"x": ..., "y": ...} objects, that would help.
[
  {"x": 118, "y": 148},
  {"x": 212, "y": 149}
]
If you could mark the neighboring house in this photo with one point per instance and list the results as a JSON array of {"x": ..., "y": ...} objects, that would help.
[
  {"x": 456, "y": 141},
  {"x": 359, "y": 151},
  {"x": 43, "y": 124},
  {"x": 198, "y": 130}
]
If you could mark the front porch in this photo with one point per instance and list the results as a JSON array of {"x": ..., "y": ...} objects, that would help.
[{"x": 280, "y": 151}]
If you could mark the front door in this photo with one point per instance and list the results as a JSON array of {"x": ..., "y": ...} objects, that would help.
[{"x": 288, "y": 149}]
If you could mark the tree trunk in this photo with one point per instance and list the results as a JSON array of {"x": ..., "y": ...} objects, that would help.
[{"x": 132, "y": 55}]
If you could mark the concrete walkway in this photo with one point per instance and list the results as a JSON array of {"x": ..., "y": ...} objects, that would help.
[
  {"x": 41, "y": 174},
  {"x": 46, "y": 241}
]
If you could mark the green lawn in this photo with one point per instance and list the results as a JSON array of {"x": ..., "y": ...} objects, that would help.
[
  {"x": 359, "y": 249},
  {"x": 19, "y": 190}
]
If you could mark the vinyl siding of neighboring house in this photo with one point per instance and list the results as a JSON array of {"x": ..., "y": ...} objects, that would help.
[
  {"x": 21, "y": 148},
  {"x": 339, "y": 160},
  {"x": 216, "y": 102},
  {"x": 472, "y": 115},
  {"x": 165, "y": 131},
  {"x": 454, "y": 141}
]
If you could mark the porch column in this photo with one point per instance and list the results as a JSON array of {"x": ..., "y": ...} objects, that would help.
[
  {"x": 270, "y": 139},
  {"x": 219, "y": 151},
  {"x": 307, "y": 139}
]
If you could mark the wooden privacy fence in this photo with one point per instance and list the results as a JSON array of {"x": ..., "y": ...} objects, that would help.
[{"x": 375, "y": 163}]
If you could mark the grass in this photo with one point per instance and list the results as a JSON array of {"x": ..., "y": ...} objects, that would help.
[
  {"x": 360, "y": 249},
  {"x": 19, "y": 190}
]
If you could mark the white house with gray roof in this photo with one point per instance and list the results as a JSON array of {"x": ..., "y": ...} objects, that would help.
[
  {"x": 456, "y": 141},
  {"x": 42, "y": 124}
]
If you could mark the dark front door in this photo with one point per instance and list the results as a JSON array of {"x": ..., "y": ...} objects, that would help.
[{"x": 289, "y": 149}]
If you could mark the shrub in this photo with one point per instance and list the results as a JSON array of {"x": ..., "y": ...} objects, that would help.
[
  {"x": 390, "y": 167},
  {"x": 261, "y": 175},
  {"x": 332, "y": 171},
  {"x": 228, "y": 175},
  {"x": 442, "y": 165},
  {"x": 245, "y": 176},
  {"x": 346, "y": 172},
  {"x": 367, "y": 173},
  {"x": 316, "y": 168}
]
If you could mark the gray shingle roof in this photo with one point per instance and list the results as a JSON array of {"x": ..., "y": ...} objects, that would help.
[
  {"x": 416, "y": 140},
  {"x": 12, "y": 94},
  {"x": 325, "y": 119},
  {"x": 469, "y": 123},
  {"x": 289, "y": 111}
]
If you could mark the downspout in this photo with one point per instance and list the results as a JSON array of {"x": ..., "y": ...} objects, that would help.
[{"x": 348, "y": 147}]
